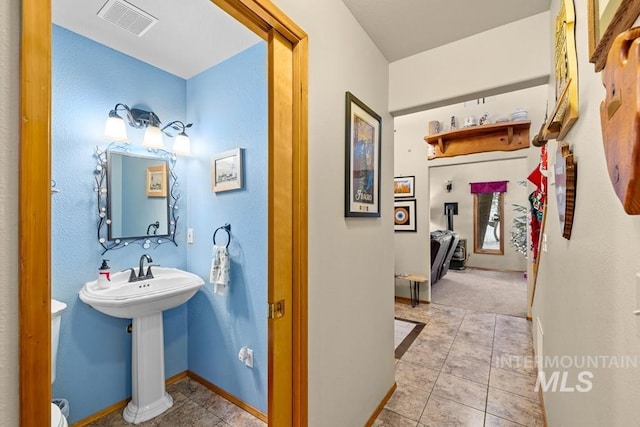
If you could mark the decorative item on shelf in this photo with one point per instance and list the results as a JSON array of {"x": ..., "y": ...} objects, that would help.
[
  {"x": 619, "y": 118},
  {"x": 454, "y": 124},
  {"x": 404, "y": 186},
  {"x": 520, "y": 114},
  {"x": 363, "y": 159},
  {"x": 606, "y": 24},
  {"x": 565, "y": 112},
  {"x": 434, "y": 127},
  {"x": 565, "y": 179},
  {"x": 470, "y": 121},
  {"x": 227, "y": 171},
  {"x": 484, "y": 119},
  {"x": 116, "y": 130},
  {"x": 404, "y": 215}
]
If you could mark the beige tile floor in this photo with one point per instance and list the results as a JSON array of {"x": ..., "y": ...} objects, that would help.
[
  {"x": 450, "y": 376},
  {"x": 194, "y": 406},
  {"x": 453, "y": 374}
]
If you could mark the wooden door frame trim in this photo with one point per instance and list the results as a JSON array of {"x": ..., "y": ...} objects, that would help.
[{"x": 260, "y": 16}]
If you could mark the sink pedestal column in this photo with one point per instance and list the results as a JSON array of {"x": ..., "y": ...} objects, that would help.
[{"x": 148, "y": 396}]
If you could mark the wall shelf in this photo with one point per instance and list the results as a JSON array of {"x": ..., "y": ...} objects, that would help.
[{"x": 507, "y": 136}]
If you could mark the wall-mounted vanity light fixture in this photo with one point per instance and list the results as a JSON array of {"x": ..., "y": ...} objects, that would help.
[
  {"x": 116, "y": 129},
  {"x": 449, "y": 186}
]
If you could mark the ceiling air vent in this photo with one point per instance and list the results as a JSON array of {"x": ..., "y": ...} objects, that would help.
[{"x": 127, "y": 16}]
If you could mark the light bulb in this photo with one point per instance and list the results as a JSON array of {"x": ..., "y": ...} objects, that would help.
[
  {"x": 115, "y": 129},
  {"x": 153, "y": 137},
  {"x": 182, "y": 144}
]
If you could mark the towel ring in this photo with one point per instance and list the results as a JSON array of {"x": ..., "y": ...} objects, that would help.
[{"x": 227, "y": 228}]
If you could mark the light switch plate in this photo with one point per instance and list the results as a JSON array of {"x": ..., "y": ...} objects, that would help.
[{"x": 189, "y": 235}]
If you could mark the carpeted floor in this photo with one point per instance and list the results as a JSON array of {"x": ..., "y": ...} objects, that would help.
[{"x": 490, "y": 291}]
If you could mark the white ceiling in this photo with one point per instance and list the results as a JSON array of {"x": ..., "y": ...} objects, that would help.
[
  {"x": 192, "y": 36},
  {"x": 402, "y": 28}
]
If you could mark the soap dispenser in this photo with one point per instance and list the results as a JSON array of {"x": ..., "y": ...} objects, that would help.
[{"x": 104, "y": 275}]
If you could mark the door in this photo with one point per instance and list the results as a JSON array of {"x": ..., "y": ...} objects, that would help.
[{"x": 287, "y": 209}]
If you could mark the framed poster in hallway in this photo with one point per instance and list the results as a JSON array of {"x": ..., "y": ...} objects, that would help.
[
  {"x": 404, "y": 186},
  {"x": 404, "y": 215},
  {"x": 362, "y": 165}
]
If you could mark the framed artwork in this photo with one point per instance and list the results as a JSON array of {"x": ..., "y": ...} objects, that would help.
[
  {"x": 607, "y": 19},
  {"x": 362, "y": 165},
  {"x": 226, "y": 171},
  {"x": 565, "y": 112},
  {"x": 404, "y": 186},
  {"x": 157, "y": 181},
  {"x": 565, "y": 179},
  {"x": 404, "y": 215}
]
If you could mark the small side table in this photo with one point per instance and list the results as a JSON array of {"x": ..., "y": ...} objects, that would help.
[{"x": 414, "y": 287}]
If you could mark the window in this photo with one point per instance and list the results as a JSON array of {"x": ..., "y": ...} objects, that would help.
[{"x": 488, "y": 217}]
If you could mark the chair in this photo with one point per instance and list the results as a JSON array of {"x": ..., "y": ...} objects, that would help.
[
  {"x": 440, "y": 242},
  {"x": 447, "y": 259}
]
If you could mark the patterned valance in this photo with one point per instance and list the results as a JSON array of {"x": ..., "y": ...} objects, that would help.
[{"x": 489, "y": 187}]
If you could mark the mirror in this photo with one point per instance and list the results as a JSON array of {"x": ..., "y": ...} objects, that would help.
[
  {"x": 488, "y": 227},
  {"x": 137, "y": 201},
  {"x": 136, "y": 198}
]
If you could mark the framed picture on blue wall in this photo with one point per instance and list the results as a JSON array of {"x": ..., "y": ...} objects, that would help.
[
  {"x": 362, "y": 167},
  {"x": 157, "y": 181},
  {"x": 226, "y": 171}
]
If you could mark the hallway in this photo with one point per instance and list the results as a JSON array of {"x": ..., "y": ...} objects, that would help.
[{"x": 456, "y": 372}]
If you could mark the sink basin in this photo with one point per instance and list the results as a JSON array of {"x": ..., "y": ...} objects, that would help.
[
  {"x": 144, "y": 301},
  {"x": 169, "y": 288}
]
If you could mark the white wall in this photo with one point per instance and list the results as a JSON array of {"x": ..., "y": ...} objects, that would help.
[
  {"x": 586, "y": 286},
  {"x": 510, "y": 57},
  {"x": 512, "y": 170},
  {"x": 412, "y": 250},
  {"x": 351, "y": 364},
  {"x": 9, "y": 144}
]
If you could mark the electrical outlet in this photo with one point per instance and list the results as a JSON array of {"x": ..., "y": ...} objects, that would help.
[
  {"x": 246, "y": 355},
  {"x": 189, "y": 235},
  {"x": 249, "y": 360}
]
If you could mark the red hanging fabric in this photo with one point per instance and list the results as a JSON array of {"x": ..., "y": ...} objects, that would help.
[{"x": 489, "y": 187}]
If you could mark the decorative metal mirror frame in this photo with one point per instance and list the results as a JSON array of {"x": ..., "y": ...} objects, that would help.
[{"x": 101, "y": 189}]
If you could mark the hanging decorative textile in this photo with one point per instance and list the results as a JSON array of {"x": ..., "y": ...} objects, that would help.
[{"x": 489, "y": 187}]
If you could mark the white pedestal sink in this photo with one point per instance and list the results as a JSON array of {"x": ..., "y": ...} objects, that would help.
[{"x": 144, "y": 301}]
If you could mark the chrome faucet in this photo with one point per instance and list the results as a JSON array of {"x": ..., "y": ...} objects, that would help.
[{"x": 141, "y": 274}]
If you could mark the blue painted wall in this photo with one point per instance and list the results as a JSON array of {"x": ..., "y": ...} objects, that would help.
[
  {"x": 229, "y": 109},
  {"x": 229, "y": 105},
  {"x": 94, "y": 357}
]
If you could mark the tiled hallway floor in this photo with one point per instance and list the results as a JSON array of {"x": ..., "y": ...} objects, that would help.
[
  {"x": 194, "y": 406},
  {"x": 454, "y": 373}
]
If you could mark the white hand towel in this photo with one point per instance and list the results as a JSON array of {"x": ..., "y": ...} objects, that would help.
[{"x": 219, "y": 274}]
